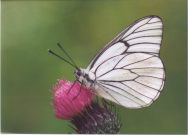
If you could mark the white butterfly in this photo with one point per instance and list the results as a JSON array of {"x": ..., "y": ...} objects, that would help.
[{"x": 128, "y": 70}]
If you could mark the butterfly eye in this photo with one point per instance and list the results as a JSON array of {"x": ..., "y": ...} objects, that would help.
[{"x": 78, "y": 73}]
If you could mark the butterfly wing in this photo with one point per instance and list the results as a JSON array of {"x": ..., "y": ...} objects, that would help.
[
  {"x": 147, "y": 26},
  {"x": 128, "y": 70}
]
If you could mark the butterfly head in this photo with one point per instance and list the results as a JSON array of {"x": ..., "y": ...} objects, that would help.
[
  {"x": 78, "y": 73},
  {"x": 85, "y": 77}
]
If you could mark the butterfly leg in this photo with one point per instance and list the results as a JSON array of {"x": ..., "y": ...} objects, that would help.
[
  {"x": 71, "y": 86},
  {"x": 78, "y": 91}
]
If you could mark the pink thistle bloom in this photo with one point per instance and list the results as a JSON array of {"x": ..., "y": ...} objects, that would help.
[{"x": 69, "y": 102}]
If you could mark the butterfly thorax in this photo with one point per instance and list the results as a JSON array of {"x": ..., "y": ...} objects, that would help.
[{"x": 86, "y": 77}]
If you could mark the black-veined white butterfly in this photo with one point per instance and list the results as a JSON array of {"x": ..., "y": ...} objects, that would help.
[{"x": 128, "y": 70}]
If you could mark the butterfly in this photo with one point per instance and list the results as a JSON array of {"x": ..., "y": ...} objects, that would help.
[{"x": 128, "y": 70}]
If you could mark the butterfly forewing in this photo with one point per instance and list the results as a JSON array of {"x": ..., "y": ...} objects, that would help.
[{"x": 128, "y": 70}]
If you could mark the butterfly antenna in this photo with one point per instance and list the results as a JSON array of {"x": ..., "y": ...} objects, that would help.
[
  {"x": 50, "y": 51},
  {"x": 61, "y": 47}
]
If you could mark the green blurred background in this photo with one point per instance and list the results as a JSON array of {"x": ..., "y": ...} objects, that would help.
[{"x": 29, "y": 28}]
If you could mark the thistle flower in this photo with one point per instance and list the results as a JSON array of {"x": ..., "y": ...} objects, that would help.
[
  {"x": 75, "y": 103},
  {"x": 69, "y": 99}
]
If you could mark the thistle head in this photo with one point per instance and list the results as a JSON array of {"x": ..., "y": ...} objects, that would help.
[
  {"x": 70, "y": 99},
  {"x": 75, "y": 103}
]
